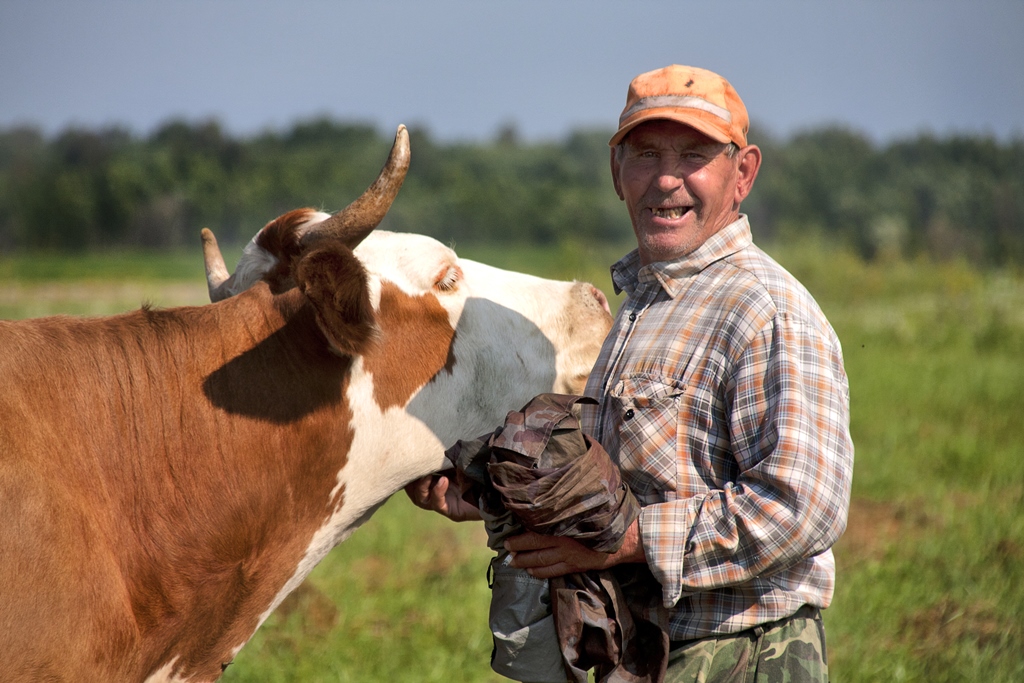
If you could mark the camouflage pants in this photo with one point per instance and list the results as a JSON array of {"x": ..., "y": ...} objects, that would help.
[{"x": 786, "y": 651}]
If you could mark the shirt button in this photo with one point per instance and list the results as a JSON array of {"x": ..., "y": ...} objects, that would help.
[
  {"x": 628, "y": 414},
  {"x": 632, "y": 317}
]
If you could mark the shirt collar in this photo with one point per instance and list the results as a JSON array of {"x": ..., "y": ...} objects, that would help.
[{"x": 628, "y": 274}]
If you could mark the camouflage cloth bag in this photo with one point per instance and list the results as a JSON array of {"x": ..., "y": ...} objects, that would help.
[
  {"x": 558, "y": 481},
  {"x": 539, "y": 471},
  {"x": 525, "y": 640}
]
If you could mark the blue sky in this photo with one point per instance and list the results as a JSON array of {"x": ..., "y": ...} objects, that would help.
[{"x": 465, "y": 68}]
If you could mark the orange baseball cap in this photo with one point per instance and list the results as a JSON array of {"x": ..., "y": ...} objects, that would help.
[{"x": 694, "y": 97}]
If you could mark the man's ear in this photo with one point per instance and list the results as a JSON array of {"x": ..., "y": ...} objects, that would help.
[
  {"x": 615, "y": 172},
  {"x": 335, "y": 283},
  {"x": 749, "y": 164}
]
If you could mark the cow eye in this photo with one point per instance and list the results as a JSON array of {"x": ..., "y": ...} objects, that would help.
[{"x": 448, "y": 279}]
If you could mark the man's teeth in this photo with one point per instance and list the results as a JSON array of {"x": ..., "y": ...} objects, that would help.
[{"x": 676, "y": 212}]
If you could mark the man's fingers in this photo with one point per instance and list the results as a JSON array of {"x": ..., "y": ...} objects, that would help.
[
  {"x": 441, "y": 494},
  {"x": 549, "y": 556},
  {"x": 544, "y": 564},
  {"x": 531, "y": 559},
  {"x": 530, "y": 540},
  {"x": 560, "y": 569},
  {"x": 428, "y": 492},
  {"x": 419, "y": 492},
  {"x": 438, "y": 488}
]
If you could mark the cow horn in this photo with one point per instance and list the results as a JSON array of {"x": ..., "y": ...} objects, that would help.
[
  {"x": 217, "y": 279},
  {"x": 353, "y": 223}
]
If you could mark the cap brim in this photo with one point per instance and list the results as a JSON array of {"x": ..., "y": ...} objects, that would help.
[{"x": 693, "y": 119}]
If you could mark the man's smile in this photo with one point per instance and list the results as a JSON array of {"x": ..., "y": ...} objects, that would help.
[{"x": 670, "y": 213}]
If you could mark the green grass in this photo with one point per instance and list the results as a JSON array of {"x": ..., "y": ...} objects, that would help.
[
  {"x": 404, "y": 599},
  {"x": 102, "y": 283},
  {"x": 118, "y": 265},
  {"x": 930, "y": 582}
]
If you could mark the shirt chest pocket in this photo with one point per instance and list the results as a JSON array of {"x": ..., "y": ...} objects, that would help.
[{"x": 648, "y": 414}]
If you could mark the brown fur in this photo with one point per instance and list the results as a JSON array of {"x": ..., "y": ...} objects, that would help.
[
  {"x": 162, "y": 472},
  {"x": 343, "y": 311},
  {"x": 416, "y": 345},
  {"x": 280, "y": 237}
]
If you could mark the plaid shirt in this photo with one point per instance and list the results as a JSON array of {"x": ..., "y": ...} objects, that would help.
[{"x": 724, "y": 400}]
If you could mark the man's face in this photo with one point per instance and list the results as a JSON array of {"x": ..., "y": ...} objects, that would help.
[{"x": 679, "y": 186}]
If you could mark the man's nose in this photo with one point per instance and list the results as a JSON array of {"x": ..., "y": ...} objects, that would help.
[{"x": 670, "y": 175}]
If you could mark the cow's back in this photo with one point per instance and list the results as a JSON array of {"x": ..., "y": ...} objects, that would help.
[{"x": 53, "y": 498}]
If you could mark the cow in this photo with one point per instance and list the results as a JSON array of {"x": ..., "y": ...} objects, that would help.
[{"x": 168, "y": 476}]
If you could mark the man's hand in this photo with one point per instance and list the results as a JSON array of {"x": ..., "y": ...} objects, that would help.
[
  {"x": 438, "y": 493},
  {"x": 545, "y": 557}
]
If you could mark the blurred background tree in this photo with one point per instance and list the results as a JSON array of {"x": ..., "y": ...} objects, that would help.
[{"x": 947, "y": 198}]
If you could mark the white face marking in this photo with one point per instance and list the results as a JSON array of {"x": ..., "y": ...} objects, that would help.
[
  {"x": 253, "y": 264},
  {"x": 412, "y": 263}
]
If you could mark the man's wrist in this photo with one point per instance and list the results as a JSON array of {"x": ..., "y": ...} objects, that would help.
[{"x": 632, "y": 550}]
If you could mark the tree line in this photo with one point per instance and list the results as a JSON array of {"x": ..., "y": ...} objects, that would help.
[{"x": 949, "y": 197}]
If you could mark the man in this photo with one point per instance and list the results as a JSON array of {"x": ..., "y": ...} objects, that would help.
[{"x": 723, "y": 399}]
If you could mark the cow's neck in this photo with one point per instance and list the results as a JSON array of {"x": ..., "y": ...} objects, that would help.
[{"x": 284, "y": 478}]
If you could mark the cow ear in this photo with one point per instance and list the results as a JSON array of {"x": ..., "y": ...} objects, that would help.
[{"x": 335, "y": 282}]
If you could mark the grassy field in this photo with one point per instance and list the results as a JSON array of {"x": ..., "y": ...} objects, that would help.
[{"x": 930, "y": 571}]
